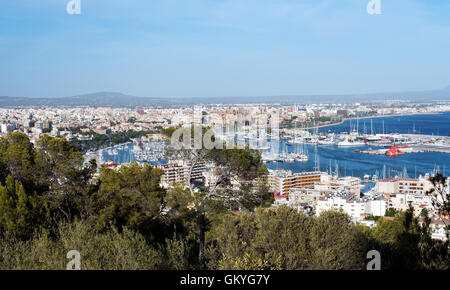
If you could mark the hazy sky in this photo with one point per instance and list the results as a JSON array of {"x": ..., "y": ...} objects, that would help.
[{"x": 201, "y": 48}]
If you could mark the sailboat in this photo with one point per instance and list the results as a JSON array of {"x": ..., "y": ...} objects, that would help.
[{"x": 296, "y": 139}]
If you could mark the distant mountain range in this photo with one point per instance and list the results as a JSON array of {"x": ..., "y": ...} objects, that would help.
[
  {"x": 114, "y": 99},
  {"x": 94, "y": 99}
]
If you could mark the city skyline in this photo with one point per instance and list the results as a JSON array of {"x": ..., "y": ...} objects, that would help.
[{"x": 197, "y": 137}]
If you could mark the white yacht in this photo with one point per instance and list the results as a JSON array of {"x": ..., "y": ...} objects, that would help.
[{"x": 349, "y": 143}]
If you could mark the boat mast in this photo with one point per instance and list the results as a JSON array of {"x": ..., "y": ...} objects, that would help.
[
  {"x": 371, "y": 126},
  {"x": 357, "y": 125},
  {"x": 316, "y": 159}
]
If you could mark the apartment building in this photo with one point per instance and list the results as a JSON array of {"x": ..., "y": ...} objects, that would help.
[
  {"x": 376, "y": 207},
  {"x": 6, "y": 128},
  {"x": 417, "y": 186},
  {"x": 348, "y": 203},
  {"x": 281, "y": 181},
  {"x": 401, "y": 201},
  {"x": 347, "y": 184},
  {"x": 306, "y": 196},
  {"x": 178, "y": 171}
]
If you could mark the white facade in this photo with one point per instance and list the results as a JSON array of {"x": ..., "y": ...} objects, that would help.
[
  {"x": 418, "y": 186},
  {"x": 355, "y": 209},
  {"x": 439, "y": 234},
  {"x": 376, "y": 207},
  {"x": 178, "y": 171},
  {"x": 368, "y": 223},
  {"x": 5, "y": 128}
]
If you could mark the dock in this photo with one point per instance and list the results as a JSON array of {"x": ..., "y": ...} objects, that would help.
[{"x": 411, "y": 149}]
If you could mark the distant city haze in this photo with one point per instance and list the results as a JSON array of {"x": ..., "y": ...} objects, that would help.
[{"x": 229, "y": 48}]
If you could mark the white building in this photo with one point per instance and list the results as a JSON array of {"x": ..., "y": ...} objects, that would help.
[
  {"x": 355, "y": 209},
  {"x": 376, "y": 207},
  {"x": 368, "y": 223},
  {"x": 6, "y": 128},
  {"x": 178, "y": 171},
  {"x": 418, "y": 186}
]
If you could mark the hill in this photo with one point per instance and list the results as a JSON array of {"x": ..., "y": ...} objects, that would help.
[{"x": 115, "y": 99}]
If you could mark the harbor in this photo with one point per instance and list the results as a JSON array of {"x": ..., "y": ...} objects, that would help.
[
  {"x": 151, "y": 151},
  {"x": 406, "y": 150},
  {"x": 335, "y": 151},
  {"x": 377, "y": 136},
  {"x": 407, "y": 146}
]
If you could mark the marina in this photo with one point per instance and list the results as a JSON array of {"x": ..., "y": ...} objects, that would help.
[
  {"x": 339, "y": 149},
  {"x": 151, "y": 151},
  {"x": 341, "y": 153},
  {"x": 377, "y": 133}
]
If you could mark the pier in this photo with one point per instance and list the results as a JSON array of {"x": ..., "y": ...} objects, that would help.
[{"x": 411, "y": 149}]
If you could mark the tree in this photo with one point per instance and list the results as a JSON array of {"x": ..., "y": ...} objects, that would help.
[
  {"x": 391, "y": 212},
  {"x": 258, "y": 240},
  {"x": 283, "y": 238},
  {"x": 21, "y": 214},
  {"x": 336, "y": 243},
  {"x": 434, "y": 254},
  {"x": 238, "y": 175},
  {"x": 440, "y": 195},
  {"x": 17, "y": 159},
  {"x": 131, "y": 197},
  {"x": 405, "y": 244},
  {"x": 99, "y": 250},
  {"x": 248, "y": 262},
  {"x": 63, "y": 177},
  {"x": 387, "y": 230}
]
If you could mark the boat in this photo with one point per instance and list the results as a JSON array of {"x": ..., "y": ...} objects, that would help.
[
  {"x": 373, "y": 138},
  {"x": 262, "y": 147},
  {"x": 327, "y": 141},
  {"x": 301, "y": 158},
  {"x": 349, "y": 143},
  {"x": 394, "y": 151}
]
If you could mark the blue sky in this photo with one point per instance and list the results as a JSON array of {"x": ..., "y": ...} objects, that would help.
[{"x": 203, "y": 48}]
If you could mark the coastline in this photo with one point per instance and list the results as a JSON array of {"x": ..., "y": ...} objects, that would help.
[{"x": 370, "y": 117}]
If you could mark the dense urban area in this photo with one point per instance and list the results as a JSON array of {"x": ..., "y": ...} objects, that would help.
[{"x": 108, "y": 182}]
